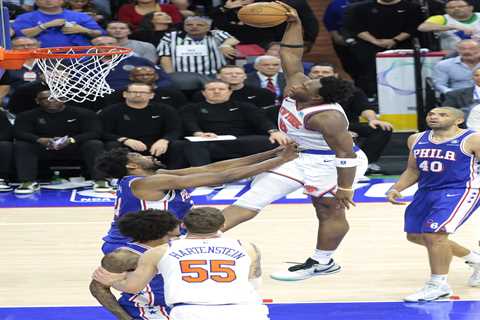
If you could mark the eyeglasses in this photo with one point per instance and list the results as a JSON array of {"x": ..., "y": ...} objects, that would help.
[
  {"x": 138, "y": 92},
  {"x": 457, "y": 7}
]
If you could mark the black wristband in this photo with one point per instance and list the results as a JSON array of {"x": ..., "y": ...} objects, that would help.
[{"x": 291, "y": 45}]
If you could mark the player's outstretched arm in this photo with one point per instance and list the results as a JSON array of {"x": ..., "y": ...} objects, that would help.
[
  {"x": 291, "y": 48},
  {"x": 226, "y": 164},
  {"x": 117, "y": 262},
  {"x": 152, "y": 187},
  {"x": 133, "y": 282},
  {"x": 408, "y": 178}
]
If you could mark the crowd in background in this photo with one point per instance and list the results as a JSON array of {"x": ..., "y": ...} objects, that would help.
[{"x": 196, "y": 70}]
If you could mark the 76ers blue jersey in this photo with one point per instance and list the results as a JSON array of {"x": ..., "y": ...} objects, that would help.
[
  {"x": 445, "y": 165},
  {"x": 148, "y": 303},
  {"x": 177, "y": 202}
]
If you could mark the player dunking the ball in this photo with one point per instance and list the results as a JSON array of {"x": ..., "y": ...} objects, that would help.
[
  {"x": 326, "y": 167},
  {"x": 443, "y": 161}
]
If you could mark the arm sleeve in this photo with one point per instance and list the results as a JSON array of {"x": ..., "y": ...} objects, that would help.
[
  {"x": 23, "y": 21},
  {"x": 23, "y": 128},
  {"x": 6, "y": 128},
  {"x": 220, "y": 36},
  {"x": 163, "y": 48},
  {"x": 440, "y": 77},
  {"x": 91, "y": 127},
  {"x": 172, "y": 122},
  {"x": 109, "y": 122},
  {"x": 86, "y": 21},
  {"x": 437, "y": 20},
  {"x": 257, "y": 118},
  {"x": 330, "y": 18},
  {"x": 189, "y": 117}
]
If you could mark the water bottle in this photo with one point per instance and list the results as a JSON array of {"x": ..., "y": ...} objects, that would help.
[{"x": 56, "y": 179}]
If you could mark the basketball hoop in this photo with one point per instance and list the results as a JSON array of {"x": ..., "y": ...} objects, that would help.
[{"x": 72, "y": 73}]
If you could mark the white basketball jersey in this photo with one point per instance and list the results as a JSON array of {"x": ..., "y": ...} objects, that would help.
[
  {"x": 292, "y": 122},
  {"x": 207, "y": 272}
]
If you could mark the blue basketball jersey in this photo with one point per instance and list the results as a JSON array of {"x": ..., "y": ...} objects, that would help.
[
  {"x": 148, "y": 303},
  {"x": 177, "y": 202},
  {"x": 445, "y": 165}
]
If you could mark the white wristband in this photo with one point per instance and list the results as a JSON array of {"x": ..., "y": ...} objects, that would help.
[{"x": 346, "y": 162}]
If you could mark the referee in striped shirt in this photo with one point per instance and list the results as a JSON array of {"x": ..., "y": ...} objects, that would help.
[{"x": 196, "y": 49}]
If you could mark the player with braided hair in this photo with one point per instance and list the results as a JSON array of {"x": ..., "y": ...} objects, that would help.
[{"x": 328, "y": 163}]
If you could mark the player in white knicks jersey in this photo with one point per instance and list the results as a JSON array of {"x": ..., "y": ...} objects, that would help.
[
  {"x": 326, "y": 168},
  {"x": 207, "y": 276}
]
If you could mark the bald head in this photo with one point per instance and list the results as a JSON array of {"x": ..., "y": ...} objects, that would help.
[{"x": 456, "y": 113}]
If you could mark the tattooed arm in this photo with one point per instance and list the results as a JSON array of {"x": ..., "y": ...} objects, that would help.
[{"x": 117, "y": 261}]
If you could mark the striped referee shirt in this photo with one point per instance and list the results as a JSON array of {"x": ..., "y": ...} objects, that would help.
[{"x": 204, "y": 64}]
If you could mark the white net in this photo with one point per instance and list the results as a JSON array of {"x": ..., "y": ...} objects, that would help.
[{"x": 80, "y": 78}]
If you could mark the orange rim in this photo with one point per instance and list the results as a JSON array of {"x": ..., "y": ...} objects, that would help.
[
  {"x": 14, "y": 59},
  {"x": 62, "y": 52}
]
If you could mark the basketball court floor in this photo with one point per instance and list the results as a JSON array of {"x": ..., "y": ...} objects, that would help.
[{"x": 50, "y": 252}]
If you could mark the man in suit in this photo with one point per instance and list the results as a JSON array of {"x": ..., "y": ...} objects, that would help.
[
  {"x": 466, "y": 99},
  {"x": 267, "y": 75}
]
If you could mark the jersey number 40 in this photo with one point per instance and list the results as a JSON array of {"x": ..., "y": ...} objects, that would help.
[{"x": 202, "y": 270}]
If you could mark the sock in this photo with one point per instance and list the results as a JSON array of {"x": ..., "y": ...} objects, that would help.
[
  {"x": 472, "y": 257},
  {"x": 322, "y": 256},
  {"x": 439, "y": 278}
]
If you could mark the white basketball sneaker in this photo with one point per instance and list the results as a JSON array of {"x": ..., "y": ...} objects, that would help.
[
  {"x": 431, "y": 291},
  {"x": 474, "y": 280},
  {"x": 308, "y": 269}
]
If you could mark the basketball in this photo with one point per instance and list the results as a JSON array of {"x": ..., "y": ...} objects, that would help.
[{"x": 263, "y": 14}]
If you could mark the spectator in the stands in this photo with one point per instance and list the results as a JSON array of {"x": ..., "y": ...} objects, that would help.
[
  {"x": 142, "y": 125},
  {"x": 262, "y": 98},
  {"x": 118, "y": 78},
  {"x": 333, "y": 20},
  {"x": 196, "y": 49},
  {"x": 225, "y": 18},
  {"x": 273, "y": 49},
  {"x": 468, "y": 100},
  {"x": 167, "y": 95},
  {"x": 268, "y": 75},
  {"x": 375, "y": 134},
  {"x": 459, "y": 23},
  {"x": 6, "y": 152},
  {"x": 88, "y": 7},
  {"x": 120, "y": 31},
  {"x": 220, "y": 115},
  {"x": 12, "y": 79},
  {"x": 380, "y": 25},
  {"x": 133, "y": 13},
  {"x": 153, "y": 27},
  {"x": 456, "y": 73},
  {"x": 54, "y": 26},
  {"x": 55, "y": 132},
  {"x": 184, "y": 6}
]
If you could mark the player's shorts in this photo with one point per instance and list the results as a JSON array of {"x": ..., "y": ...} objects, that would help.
[
  {"x": 147, "y": 312},
  {"x": 442, "y": 210},
  {"x": 314, "y": 170},
  {"x": 220, "y": 312}
]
